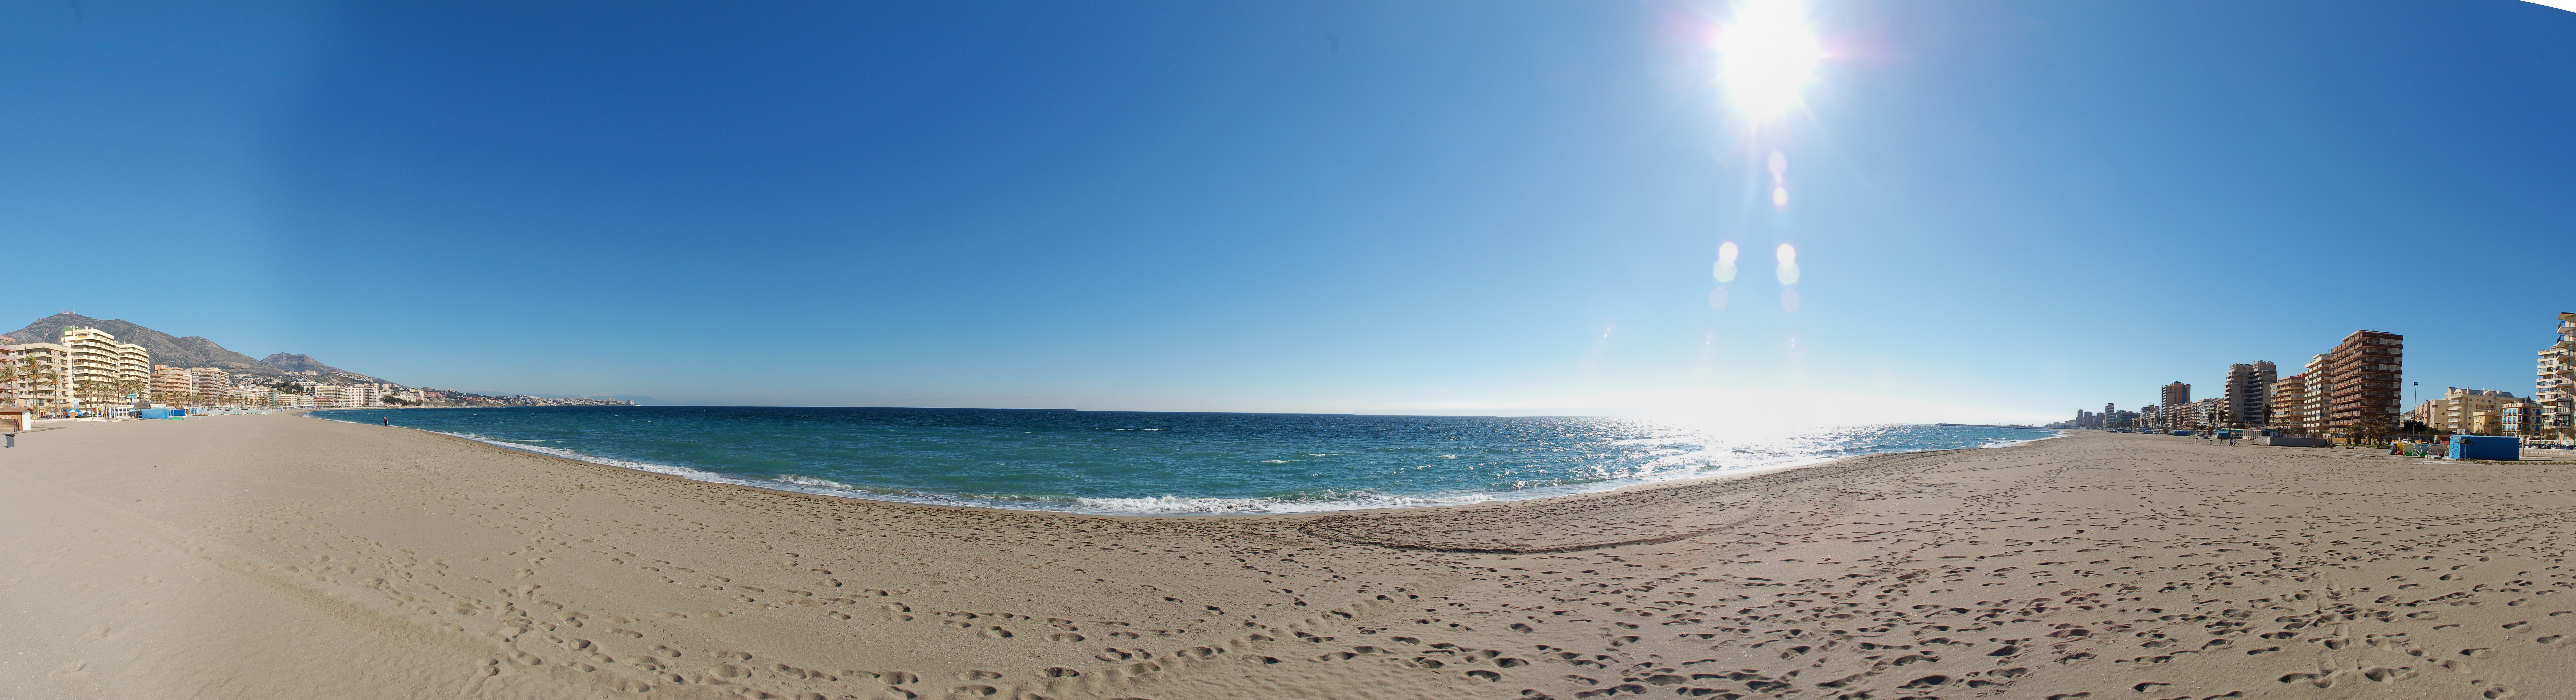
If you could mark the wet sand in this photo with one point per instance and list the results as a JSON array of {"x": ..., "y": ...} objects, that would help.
[{"x": 287, "y": 557}]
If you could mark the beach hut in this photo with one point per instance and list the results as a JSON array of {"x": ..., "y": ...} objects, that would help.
[
  {"x": 17, "y": 419},
  {"x": 2486, "y": 447}
]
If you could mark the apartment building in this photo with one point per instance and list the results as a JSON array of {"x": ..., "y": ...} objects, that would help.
[
  {"x": 42, "y": 380},
  {"x": 103, "y": 370},
  {"x": 212, "y": 385},
  {"x": 2472, "y": 411},
  {"x": 2175, "y": 394},
  {"x": 2171, "y": 400},
  {"x": 348, "y": 396},
  {"x": 2366, "y": 371},
  {"x": 2515, "y": 420},
  {"x": 2427, "y": 412},
  {"x": 2249, "y": 392},
  {"x": 169, "y": 382},
  {"x": 2208, "y": 413},
  {"x": 252, "y": 394},
  {"x": 2312, "y": 407},
  {"x": 2287, "y": 397},
  {"x": 134, "y": 367},
  {"x": 2553, "y": 394},
  {"x": 94, "y": 362}
]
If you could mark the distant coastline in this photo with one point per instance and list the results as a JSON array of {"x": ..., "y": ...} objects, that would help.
[{"x": 1980, "y": 425}]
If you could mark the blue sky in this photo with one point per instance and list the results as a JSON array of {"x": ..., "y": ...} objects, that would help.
[{"x": 2000, "y": 210}]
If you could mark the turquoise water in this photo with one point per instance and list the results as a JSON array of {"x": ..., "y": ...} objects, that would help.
[{"x": 1158, "y": 463}]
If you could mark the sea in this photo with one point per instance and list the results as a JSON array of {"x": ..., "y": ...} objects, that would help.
[{"x": 1138, "y": 463}]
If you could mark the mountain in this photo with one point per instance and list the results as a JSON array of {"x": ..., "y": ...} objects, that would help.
[
  {"x": 299, "y": 363},
  {"x": 305, "y": 364},
  {"x": 191, "y": 351}
]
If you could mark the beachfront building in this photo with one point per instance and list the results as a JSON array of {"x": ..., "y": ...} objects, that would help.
[
  {"x": 2175, "y": 394},
  {"x": 2249, "y": 392},
  {"x": 348, "y": 396},
  {"x": 133, "y": 368},
  {"x": 40, "y": 377},
  {"x": 171, "y": 384},
  {"x": 2365, "y": 371},
  {"x": 212, "y": 385},
  {"x": 2320, "y": 385},
  {"x": 105, "y": 371},
  {"x": 252, "y": 394},
  {"x": 2472, "y": 411},
  {"x": 2553, "y": 394},
  {"x": 2515, "y": 421},
  {"x": 2147, "y": 418},
  {"x": 2173, "y": 399},
  {"x": 2283, "y": 402},
  {"x": 2207, "y": 413}
]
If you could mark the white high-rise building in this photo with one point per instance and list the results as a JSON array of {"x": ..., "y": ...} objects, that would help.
[
  {"x": 2555, "y": 390},
  {"x": 104, "y": 371},
  {"x": 2249, "y": 392}
]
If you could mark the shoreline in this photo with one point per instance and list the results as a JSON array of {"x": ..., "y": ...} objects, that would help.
[{"x": 941, "y": 500}]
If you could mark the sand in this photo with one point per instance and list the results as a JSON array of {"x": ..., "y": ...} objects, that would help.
[{"x": 289, "y": 557}]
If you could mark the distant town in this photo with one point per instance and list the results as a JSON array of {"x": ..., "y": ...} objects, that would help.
[
  {"x": 89, "y": 373},
  {"x": 2355, "y": 392}
]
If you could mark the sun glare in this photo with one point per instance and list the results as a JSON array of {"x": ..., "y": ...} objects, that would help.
[{"x": 1767, "y": 55}]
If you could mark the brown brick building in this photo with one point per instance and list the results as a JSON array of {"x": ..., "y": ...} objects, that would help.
[{"x": 2365, "y": 374}]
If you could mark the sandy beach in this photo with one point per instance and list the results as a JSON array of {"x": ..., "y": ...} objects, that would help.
[{"x": 289, "y": 557}]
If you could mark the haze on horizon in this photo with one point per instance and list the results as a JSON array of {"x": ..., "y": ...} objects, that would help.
[{"x": 2000, "y": 211}]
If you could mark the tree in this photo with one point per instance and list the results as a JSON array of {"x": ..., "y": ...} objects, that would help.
[
  {"x": 2374, "y": 429},
  {"x": 10, "y": 371},
  {"x": 36, "y": 371}
]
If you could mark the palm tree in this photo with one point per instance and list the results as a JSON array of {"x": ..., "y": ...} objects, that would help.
[
  {"x": 9, "y": 374},
  {"x": 38, "y": 373}
]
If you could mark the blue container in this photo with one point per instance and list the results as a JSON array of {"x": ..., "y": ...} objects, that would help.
[
  {"x": 2486, "y": 447},
  {"x": 161, "y": 413}
]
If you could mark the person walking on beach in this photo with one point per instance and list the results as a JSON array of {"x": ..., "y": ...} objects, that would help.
[{"x": 389, "y": 421}]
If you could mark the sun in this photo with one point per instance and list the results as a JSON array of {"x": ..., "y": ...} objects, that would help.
[{"x": 1767, "y": 54}]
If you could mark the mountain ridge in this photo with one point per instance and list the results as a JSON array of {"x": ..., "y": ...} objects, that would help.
[{"x": 191, "y": 351}]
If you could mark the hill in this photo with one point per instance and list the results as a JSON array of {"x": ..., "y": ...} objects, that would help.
[
  {"x": 191, "y": 351},
  {"x": 305, "y": 364},
  {"x": 298, "y": 363}
]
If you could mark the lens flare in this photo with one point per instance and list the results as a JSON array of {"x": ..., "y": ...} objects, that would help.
[
  {"x": 1779, "y": 180},
  {"x": 1725, "y": 270},
  {"x": 1768, "y": 55},
  {"x": 1788, "y": 270}
]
